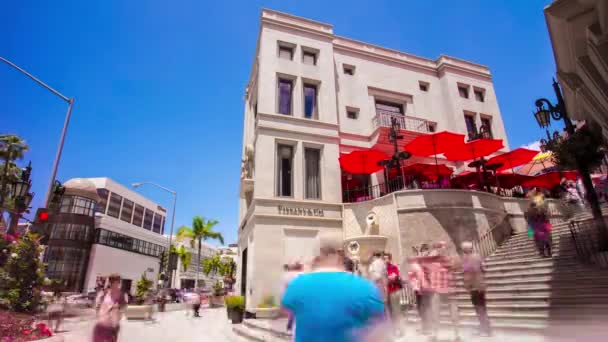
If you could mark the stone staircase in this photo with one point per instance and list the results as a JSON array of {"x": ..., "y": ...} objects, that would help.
[{"x": 526, "y": 293}]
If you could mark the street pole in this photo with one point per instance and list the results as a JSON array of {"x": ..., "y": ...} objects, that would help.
[
  {"x": 70, "y": 102},
  {"x": 174, "y": 193},
  {"x": 583, "y": 171}
]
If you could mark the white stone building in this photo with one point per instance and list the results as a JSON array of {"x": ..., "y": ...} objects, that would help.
[
  {"x": 313, "y": 95},
  {"x": 579, "y": 35},
  {"x": 186, "y": 279}
]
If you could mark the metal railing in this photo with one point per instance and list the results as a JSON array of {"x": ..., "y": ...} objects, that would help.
[
  {"x": 586, "y": 240},
  {"x": 366, "y": 193},
  {"x": 493, "y": 238},
  {"x": 410, "y": 123}
]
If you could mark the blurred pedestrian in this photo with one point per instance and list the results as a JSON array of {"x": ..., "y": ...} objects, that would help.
[
  {"x": 112, "y": 303},
  {"x": 55, "y": 310},
  {"x": 471, "y": 265},
  {"x": 291, "y": 272},
  {"x": 540, "y": 228},
  {"x": 377, "y": 273},
  {"x": 349, "y": 265},
  {"x": 195, "y": 302},
  {"x": 332, "y": 305},
  {"x": 437, "y": 288},
  {"x": 393, "y": 291}
]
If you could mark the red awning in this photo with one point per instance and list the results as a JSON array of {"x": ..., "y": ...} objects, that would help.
[
  {"x": 432, "y": 144},
  {"x": 473, "y": 149},
  {"x": 550, "y": 179},
  {"x": 362, "y": 162},
  {"x": 509, "y": 180},
  {"x": 511, "y": 159},
  {"x": 428, "y": 169}
]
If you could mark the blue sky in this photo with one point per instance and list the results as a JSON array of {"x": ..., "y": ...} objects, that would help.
[{"x": 159, "y": 84}]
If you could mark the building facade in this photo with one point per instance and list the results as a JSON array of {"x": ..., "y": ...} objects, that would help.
[
  {"x": 579, "y": 35},
  {"x": 185, "y": 278},
  {"x": 101, "y": 228},
  {"x": 313, "y": 96}
]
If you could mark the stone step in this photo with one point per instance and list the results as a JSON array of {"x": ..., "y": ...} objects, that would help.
[
  {"x": 541, "y": 280},
  {"x": 524, "y": 317},
  {"x": 277, "y": 328},
  {"x": 541, "y": 264},
  {"x": 571, "y": 275},
  {"x": 528, "y": 261},
  {"x": 546, "y": 289},
  {"x": 531, "y": 253}
]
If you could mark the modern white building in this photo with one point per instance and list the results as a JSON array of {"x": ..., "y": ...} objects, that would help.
[
  {"x": 186, "y": 279},
  {"x": 579, "y": 35},
  {"x": 103, "y": 228},
  {"x": 313, "y": 96}
]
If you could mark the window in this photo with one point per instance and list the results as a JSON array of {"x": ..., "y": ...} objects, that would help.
[
  {"x": 114, "y": 205},
  {"x": 352, "y": 113},
  {"x": 469, "y": 119},
  {"x": 103, "y": 202},
  {"x": 284, "y": 166},
  {"x": 127, "y": 210},
  {"x": 486, "y": 122},
  {"x": 309, "y": 57},
  {"x": 312, "y": 173},
  {"x": 285, "y": 96},
  {"x": 463, "y": 91},
  {"x": 138, "y": 215},
  {"x": 68, "y": 264},
  {"x": 286, "y": 51},
  {"x": 388, "y": 107},
  {"x": 162, "y": 226},
  {"x": 424, "y": 86},
  {"x": 432, "y": 127},
  {"x": 348, "y": 69},
  {"x": 116, "y": 240},
  {"x": 67, "y": 231},
  {"x": 310, "y": 101},
  {"x": 77, "y": 205},
  {"x": 157, "y": 223},
  {"x": 479, "y": 95},
  {"x": 148, "y": 219}
]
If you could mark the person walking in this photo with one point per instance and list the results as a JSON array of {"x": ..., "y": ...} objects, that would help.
[
  {"x": 471, "y": 265},
  {"x": 438, "y": 268},
  {"x": 415, "y": 275},
  {"x": 112, "y": 303},
  {"x": 332, "y": 305},
  {"x": 291, "y": 272},
  {"x": 55, "y": 311},
  {"x": 195, "y": 301},
  {"x": 393, "y": 291},
  {"x": 377, "y": 273},
  {"x": 540, "y": 228}
]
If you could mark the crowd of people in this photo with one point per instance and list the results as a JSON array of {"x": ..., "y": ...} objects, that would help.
[{"x": 330, "y": 300}]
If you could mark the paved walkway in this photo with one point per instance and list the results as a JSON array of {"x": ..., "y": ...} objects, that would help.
[{"x": 213, "y": 325}]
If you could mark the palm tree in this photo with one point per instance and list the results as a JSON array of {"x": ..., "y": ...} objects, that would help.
[
  {"x": 11, "y": 148},
  {"x": 185, "y": 257},
  {"x": 213, "y": 265},
  {"x": 202, "y": 230}
]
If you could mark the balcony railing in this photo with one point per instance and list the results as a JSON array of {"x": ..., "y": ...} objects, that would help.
[{"x": 410, "y": 123}]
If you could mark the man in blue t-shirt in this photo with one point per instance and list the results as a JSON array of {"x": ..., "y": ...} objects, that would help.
[{"x": 331, "y": 304}]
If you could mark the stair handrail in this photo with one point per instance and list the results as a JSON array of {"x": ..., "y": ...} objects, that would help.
[{"x": 488, "y": 242}]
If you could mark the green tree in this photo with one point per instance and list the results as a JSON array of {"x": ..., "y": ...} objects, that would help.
[
  {"x": 142, "y": 288},
  {"x": 185, "y": 257},
  {"x": 213, "y": 266},
  {"x": 201, "y": 230},
  {"x": 12, "y": 148},
  {"x": 23, "y": 275}
]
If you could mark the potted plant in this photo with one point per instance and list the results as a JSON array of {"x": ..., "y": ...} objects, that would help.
[
  {"x": 235, "y": 305},
  {"x": 217, "y": 298},
  {"x": 142, "y": 309},
  {"x": 267, "y": 308}
]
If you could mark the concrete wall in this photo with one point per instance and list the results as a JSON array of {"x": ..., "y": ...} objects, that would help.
[{"x": 105, "y": 260}]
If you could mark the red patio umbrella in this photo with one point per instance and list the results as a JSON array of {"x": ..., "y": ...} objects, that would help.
[
  {"x": 467, "y": 178},
  {"x": 473, "y": 149},
  {"x": 434, "y": 144},
  {"x": 362, "y": 161},
  {"x": 511, "y": 159},
  {"x": 428, "y": 169},
  {"x": 550, "y": 179}
]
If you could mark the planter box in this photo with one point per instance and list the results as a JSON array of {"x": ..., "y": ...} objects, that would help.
[
  {"x": 216, "y": 301},
  {"x": 139, "y": 312},
  {"x": 268, "y": 313}
]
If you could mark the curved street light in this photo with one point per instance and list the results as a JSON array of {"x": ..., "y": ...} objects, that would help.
[
  {"x": 174, "y": 193},
  {"x": 545, "y": 111},
  {"x": 64, "y": 131}
]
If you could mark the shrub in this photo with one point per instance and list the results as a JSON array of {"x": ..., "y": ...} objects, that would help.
[
  {"x": 143, "y": 286},
  {"x": 235, "y": 302}
]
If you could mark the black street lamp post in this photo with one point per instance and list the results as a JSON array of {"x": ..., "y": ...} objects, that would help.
[
  {"x": 22, "y": 197},
  {"x": 545, "y": 111}
]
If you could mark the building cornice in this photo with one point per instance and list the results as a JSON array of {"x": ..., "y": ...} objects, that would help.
[
  {"x": 297, "y": 121},
  {"x": 295, "y": 21}
]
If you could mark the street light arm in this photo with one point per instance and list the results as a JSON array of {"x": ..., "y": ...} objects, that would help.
[
  {"x": 158, "y": 186},
  {"x": 63, "y": 97}
]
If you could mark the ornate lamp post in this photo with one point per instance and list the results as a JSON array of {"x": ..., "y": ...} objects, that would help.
[
  {"x": 545, "y": 111},
  {"x": 395, "y": 161},
  {"x": 21, "y": 196}
]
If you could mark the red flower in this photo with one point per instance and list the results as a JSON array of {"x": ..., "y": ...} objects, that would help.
[{"x": 25, "y": 332}]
